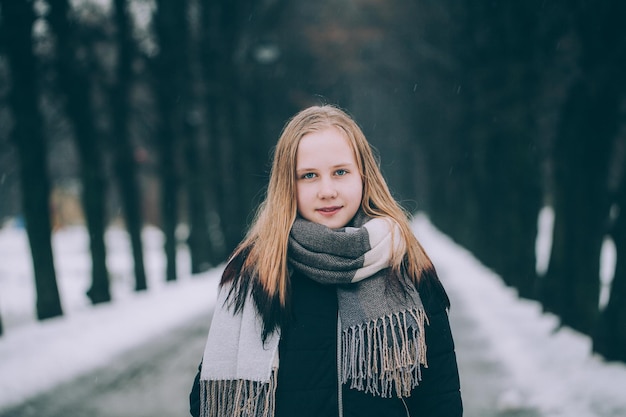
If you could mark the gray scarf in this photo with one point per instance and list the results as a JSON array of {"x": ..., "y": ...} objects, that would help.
[{"x": 381, "y": 315}]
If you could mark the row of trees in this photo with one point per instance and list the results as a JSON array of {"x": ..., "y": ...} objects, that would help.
[
  {"x": 537, "y": 119},
  {"x": 96, "y": 76},
  {"x": 482, "y": 113}
]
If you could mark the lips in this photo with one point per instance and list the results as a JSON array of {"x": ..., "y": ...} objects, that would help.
[{"x": 329, "y": 210}]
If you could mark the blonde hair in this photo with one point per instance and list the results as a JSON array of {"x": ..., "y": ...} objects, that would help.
[{"x": 267, "y": 239}]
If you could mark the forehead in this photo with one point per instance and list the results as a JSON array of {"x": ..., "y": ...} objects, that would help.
[{"x": 326, "y": 145}]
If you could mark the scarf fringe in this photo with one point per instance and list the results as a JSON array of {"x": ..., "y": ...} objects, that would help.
[
  {"x": 238, "y": 398},
  {"x": 384, "y": 356}
]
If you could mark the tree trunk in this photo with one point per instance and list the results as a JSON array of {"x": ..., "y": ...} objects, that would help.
[
  {"x": 125, "y": 166},
  {"x": 170, "y": 90},
  {"x": 208, "y": 56},
  {"x": 169, "y": 198},
  {"x": 581, "y": 158},
  {"x": 75, "y": 85},
  {"x": 588, "y": 126},
  {"x": 198, "y": 241},
  {"x": 610, "y": 338},
  {"x": 27, "y": 135},
  {"x": 222, "y": 19},
  {"x": 200, "y": 247},
  {"x": 511, "y": 203}
]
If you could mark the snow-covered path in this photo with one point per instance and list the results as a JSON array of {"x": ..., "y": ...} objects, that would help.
[
  {"x": 543, "y": 367},
  {"x": 514, "y": 360},
  {"x": 150, "y": 380}
]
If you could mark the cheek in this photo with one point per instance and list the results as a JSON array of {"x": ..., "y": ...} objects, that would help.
[
  {"x": 301, "y": 197},
  {"x": 358, "y": 196},
  {"x": 358, "y": 190}
]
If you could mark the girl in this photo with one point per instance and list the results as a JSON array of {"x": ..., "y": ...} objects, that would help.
[{"x": 329, "y": 307}]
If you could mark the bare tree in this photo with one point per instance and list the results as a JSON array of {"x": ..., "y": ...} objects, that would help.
[
  {"x": 588, "y": 128},
  {"x": 73, "y": 78},
  {"x": 125, "y": 166},
  {"x": 169, "y": 23},
  {"x": 194, "y": 168},
  {"x": 28, "y": 138},
  {"x": 609, "y": 339},
  {"x": 220, "y": 46}
]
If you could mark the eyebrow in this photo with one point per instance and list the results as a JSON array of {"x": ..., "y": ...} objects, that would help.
[{"x": 340, "y": 165}]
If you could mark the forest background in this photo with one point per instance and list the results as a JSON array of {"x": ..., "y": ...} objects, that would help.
[{"x": 165, "y": 113}]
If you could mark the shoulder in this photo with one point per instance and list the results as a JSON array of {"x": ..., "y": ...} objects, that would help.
[{"x": 432, "y": 292}]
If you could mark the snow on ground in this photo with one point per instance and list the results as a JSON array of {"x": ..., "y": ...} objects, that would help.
[
  {"x": 553, "y": 368},
  {"x": 36, "y": 356}
]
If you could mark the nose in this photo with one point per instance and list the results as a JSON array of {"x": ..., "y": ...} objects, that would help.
[{"x": 327, "y": 189}]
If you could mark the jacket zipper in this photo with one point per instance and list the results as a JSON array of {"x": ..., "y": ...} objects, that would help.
[
  {"x": 406, "y": 408},
  {"x": 339, "y": 387}
]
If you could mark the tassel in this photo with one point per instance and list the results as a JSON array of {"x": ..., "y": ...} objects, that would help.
[
  {"x": 238, "y": 398},
  {"x": 384, "y": 356}
]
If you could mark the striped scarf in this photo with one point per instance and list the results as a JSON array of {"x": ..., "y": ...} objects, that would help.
[{"x": 381, "y": 316}]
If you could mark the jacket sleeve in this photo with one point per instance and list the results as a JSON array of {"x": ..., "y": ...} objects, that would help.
[
  {"x": 194, "y": 395},
  {"x": 438, "y": 394}
]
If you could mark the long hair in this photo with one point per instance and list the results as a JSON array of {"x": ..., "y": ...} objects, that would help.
[{"x": 262, "y": 256}]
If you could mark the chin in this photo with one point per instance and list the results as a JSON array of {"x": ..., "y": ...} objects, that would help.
[{"x": 334, "y": 224}]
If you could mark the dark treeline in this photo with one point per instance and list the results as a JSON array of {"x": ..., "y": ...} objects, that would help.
[{"x": 484, "y": 114}]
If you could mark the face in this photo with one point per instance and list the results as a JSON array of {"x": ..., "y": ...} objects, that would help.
[{"x": 328, "y": 184}]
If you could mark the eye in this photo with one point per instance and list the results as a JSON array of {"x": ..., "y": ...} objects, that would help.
[
  {"x": 341, "y": 172},
  {"x": 308, "y": 176}
]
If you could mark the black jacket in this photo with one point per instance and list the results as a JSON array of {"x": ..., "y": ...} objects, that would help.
[
  {"x": 438, "y": 394},
  {"x": 307, "y": 376}
]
